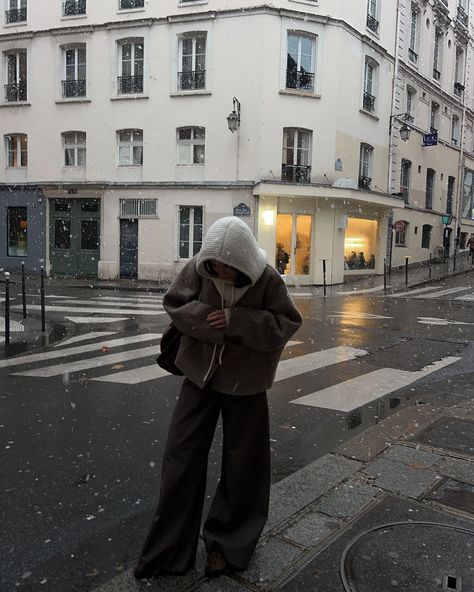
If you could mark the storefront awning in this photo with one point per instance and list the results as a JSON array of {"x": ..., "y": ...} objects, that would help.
[{"x": 356, "y": 196}]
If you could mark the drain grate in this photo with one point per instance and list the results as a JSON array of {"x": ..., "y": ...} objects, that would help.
[{"x": 451, "y": 583}]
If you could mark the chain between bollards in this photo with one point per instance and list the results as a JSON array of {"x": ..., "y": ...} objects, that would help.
[
  {"x": 43, "y": 309},
  {"x": 23, "y": 288},
  {"x": 7, "y": 309}
]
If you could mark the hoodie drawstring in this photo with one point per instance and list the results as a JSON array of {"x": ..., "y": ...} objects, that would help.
[{"x": 206, "y": 376}]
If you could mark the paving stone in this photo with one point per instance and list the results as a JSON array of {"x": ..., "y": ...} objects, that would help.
[
  {"x": 457, "y": 468},
  {"x": 449, "y": 433},
  {"x": 310, "y": 529},
  {"x": 221, "y": 584},
  {"x": 306, "y": 485},
  {"x": 346, "y": 500},
  {"x": 271, "y": 558},
  {"x": 401, "y": 478},
  {"x": 411, "y": 456}
]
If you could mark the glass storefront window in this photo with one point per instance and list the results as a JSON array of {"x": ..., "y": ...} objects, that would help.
[
  {"x": 360, "y": 244},
  {"x": 293, "y": 244},
  {"x": 17, "y": 232}
]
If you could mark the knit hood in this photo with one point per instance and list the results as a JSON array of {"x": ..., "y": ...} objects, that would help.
[{"x": 230, "y": 241}]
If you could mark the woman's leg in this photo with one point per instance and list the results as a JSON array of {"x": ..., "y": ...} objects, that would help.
[
  {"x": 172, "y": 540},
  {"x": 240, "y": 506}
]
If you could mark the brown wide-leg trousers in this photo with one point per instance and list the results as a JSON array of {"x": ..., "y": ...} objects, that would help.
[{"x": 240, "y": 506}]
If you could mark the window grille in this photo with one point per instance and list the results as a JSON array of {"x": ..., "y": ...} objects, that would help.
[{"x": 138, "y": 208}]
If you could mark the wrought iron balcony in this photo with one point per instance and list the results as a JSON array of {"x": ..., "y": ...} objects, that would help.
[
  {"x": 15, "y": 93},
  {"x": 74, "y": 88},
  {"x": 445, "y": 2},
  {"x": 364, "y": 182},
  {"x": 128, "y": 85},
  {"x": 74, "y": 7},
  {"x": 369, "y": 102},
  {"x": 462, "y": 16},
  {"x": 433, "y": 130},
  {"x": 458, "y": 88},
  {"x": 17, "y": 15},
  {"x": 412, "y": 56},
  {"x": 405, "y": 193},
  {"x": 372, "y": 23},
  {"x": 195, "y": 80},
  {"x": 436, "y": 74},
  {"x": 129, "y": 4},
  {"x": 295, "y": 173},
  {"x": 299, "y": 80}
]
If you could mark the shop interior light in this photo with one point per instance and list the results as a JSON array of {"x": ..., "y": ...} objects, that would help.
[{"x": 268, "y": 217}]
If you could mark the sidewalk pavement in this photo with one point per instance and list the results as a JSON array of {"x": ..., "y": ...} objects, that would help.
[{"x": 390, "y": 509}]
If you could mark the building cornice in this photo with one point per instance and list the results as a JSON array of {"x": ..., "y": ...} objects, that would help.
[{"x": 72, "y": 187}]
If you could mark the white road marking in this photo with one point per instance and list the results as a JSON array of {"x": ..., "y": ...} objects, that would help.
[
  {"x": 95, "y": 320},
  {"x": 131, "y": 305},
  {"x": 291, "y": 343},
  {"x": 465, "y": 297},
  {"x": 80, "y": 349},
  {"x": 85, "y": 337},
  {"x": 15, "y": 326},
  {"x": 131, "y": 298},
  {"x": 438, "y": 321},
  {"x": 445, "y": 292},
  {"x": 358, "y": 315},
  {"x": 37, "y": 295},
  {"x": 129, "y": 311},
  {"x": 364, "y": 291},
  {"x": 300, "y": 294},
  {"x": 98, "y": 362},
  {"x": 351, "y": 394},
  {"x": 411, "y": 292},
  {"x": 308, "y": 362}
]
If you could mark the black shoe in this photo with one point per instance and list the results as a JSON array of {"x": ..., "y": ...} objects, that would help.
[{"x": 216, "y": 564}]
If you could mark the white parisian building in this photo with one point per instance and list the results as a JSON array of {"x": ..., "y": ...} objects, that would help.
[{"x": 117, "y": 153}]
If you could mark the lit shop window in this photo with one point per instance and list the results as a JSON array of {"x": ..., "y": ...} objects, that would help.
[{"x": 360, "y": 244}]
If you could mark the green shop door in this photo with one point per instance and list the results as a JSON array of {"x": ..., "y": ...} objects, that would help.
[{"x": 74, "y": 236}]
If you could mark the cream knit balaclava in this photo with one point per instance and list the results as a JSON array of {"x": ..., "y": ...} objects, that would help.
[{"x": 230, "y": 241}]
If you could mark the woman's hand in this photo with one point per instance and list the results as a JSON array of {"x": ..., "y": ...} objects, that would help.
[{"x": 217, "y": 319}]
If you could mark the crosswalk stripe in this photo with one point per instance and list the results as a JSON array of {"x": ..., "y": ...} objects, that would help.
[
  {"x": 445, "y": 292},
  {"x": 80, "y": 349},
  {"x": 95, "y": 320},
  {"x": 308, "y": 362},
  {"x": 104, "y": 360},
  {"x": 85, "y": 337},
  {"x": 72, "y": 309},
  {"x": 146, "y": 373},
  {"x": 118, "y": 302},
  {"x": 131, "y": 298},
  {"x": 465, "y": 297},
  {"x": 351, "y": 394},
  {"x": 411, "y": 292}
]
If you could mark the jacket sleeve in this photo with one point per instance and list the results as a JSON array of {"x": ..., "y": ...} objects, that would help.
[
  {"x": 269, "y": 328},
  {"x": 187, "y": 313}
]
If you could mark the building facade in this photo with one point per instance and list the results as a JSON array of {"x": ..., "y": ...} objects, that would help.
[{"x": 115, "y": 119}]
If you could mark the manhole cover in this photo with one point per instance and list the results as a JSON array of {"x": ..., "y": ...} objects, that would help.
[{"x": 408, "y": 557}]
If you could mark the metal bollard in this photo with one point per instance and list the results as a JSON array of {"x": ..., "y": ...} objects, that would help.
[
  {"x": 406, "y": 271},
  {"x": 430, "y": 268},
  {"x": 23, "y": 289},
  {"x": 7, "y": 309},
  {"x": 43, "y": 309},
  {"x": 384, "y": 275},
  {"x": 324, "y": 277}
]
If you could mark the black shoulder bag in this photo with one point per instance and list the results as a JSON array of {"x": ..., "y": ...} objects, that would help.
[{"x": 169, "y": 346}]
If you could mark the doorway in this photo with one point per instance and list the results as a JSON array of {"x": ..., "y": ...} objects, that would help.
[
  {"x": 293, "y": 246},
  {"x": 129, "y": 248}
]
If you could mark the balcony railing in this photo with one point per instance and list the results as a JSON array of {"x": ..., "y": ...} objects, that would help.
[
  {"x": 433, "y": 130},
  {"x": 462, "y": 16},
  {"x": 458, "y": 88},
  {"x": 74, "y": 7},
  {"x": 295, "y": 173},
  {"x": 195, "y": 80},
  {"x": 128, "y": 85},
  {"x": 74, "y": 88},
  {"x": 129, "y": 4},
  {"x": 299, "y": 80},
  {"x": 436, "y": 74},
  {"x": 369, "y": 102},
  {"x": 17, "y": 15},
  {"x": 15, "y": 92},
  {"x": 405, "y": 193},
  {"x": 372, "y": 23},
  {"x": 445, "y": 2},
  {"x": 412, "y": 56},
  {"x": 364, "y": 182}
]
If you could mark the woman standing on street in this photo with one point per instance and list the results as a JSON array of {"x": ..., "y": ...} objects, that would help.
[{"x": 235, "y": 315}]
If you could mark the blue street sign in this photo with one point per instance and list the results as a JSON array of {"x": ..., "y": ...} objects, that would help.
[
  {"x": 241, "y": 210},
  {"x": 430, "y": 139}
]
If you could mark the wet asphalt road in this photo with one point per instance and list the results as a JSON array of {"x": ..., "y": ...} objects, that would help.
[{"x": 81, "y": 459}]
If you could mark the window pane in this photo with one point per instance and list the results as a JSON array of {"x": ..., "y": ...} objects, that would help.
[
  {"x": 198, "y": 218},
  {"x": 184, "y": 133},
  {"x": 89, "y": 235},
  {"x": 124, "y": 155},
  {"x": 17, "y": 232},
  {"x": 184, "y": 154},
  {"x": 62, "y": 206},
  {"x": 198, "y": 156},
  {"x": 62, "y": 234},
  {"x": 138, "y": 155},
  {"x": 125, "y": 135},
  {"x": 69, "y": 155},
  {"x": 199, "y": 133},
  {"x": 81, "y": 157},
  {"x": 89, "y": 206}
]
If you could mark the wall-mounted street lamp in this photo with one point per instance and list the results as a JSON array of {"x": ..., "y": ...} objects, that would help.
[
  {"x": 405, "y": 130},
  {"x": 233, "y": 121}
]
